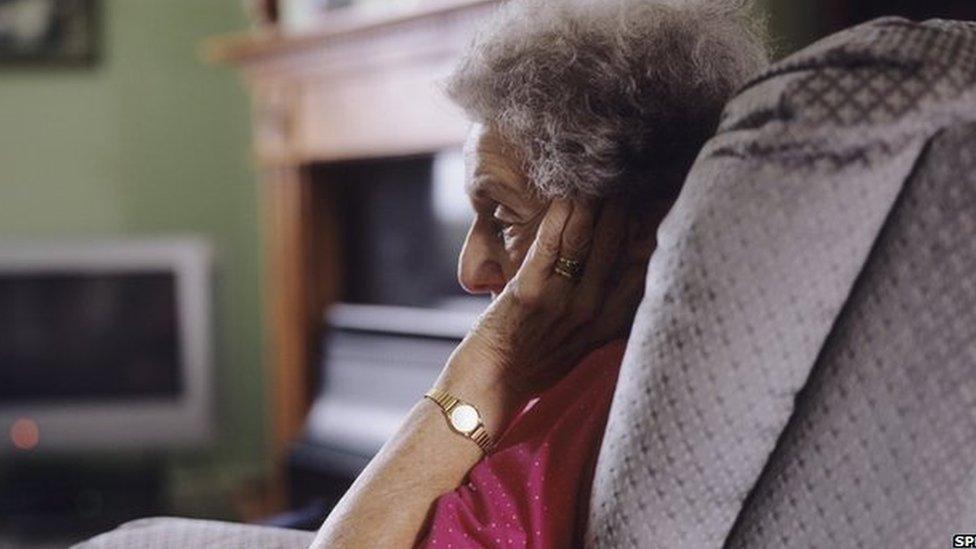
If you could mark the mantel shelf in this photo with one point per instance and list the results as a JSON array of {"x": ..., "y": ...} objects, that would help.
[{"x": 246, "y": 46}]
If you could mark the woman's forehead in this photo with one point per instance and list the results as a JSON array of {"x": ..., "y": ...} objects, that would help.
[{"x": 490, "y": 162}]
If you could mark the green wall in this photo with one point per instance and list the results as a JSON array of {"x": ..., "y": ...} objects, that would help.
[{"x": 151, "y": 141}]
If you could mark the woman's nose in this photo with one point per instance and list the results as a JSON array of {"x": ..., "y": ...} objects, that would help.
[{"x": 479, "y": 270}]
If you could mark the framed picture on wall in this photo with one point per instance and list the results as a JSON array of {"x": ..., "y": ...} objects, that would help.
[{"x": 48, "y": 32}]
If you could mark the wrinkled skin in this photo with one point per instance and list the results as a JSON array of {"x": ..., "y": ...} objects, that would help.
[{"x": 540, "y": 323}]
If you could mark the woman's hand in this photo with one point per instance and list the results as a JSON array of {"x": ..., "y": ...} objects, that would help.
[
  {"x": 532, "y": 333},
  {"x": 543, "y": 322}
]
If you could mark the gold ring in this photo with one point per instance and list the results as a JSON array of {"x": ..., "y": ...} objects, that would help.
[{"x": 569, "y": 268}]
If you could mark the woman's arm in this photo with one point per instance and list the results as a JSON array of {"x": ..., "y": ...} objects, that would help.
[
  {"x": 388, "y": 503},
  {"x": 542, "y": 320}
]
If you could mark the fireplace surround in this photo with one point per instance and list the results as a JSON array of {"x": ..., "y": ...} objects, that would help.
[{"x": 356, "y": 90}]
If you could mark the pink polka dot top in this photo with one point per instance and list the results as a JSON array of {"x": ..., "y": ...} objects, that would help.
[{"x": 533, "y": 490}]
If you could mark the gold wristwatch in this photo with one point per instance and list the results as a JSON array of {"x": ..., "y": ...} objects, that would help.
[{"x": 463, "y": 418}]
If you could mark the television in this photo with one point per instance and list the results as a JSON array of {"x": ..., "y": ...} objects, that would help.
[{"x": 105, "y": 345}]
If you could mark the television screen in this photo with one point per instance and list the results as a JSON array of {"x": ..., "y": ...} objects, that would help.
[{"x": 85, "y": 336}]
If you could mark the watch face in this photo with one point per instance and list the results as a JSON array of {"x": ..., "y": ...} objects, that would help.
[{"x": 464, "y": 418}]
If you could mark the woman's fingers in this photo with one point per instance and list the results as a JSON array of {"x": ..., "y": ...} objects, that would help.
[
  {"x": 574, "y": 246},
  {"x": 578, "y": 232},
  {"x": 566, "y": 232},
  {"x": 608, "y": 240},
  {"x": 537, "y": 267}
]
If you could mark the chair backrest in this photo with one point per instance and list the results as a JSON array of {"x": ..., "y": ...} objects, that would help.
[{"x": 802, "y": 371}]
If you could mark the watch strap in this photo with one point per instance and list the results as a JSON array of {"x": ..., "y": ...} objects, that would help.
[
  {"x": 447, "y": 402},
  {"x": 443, "y": 399}
]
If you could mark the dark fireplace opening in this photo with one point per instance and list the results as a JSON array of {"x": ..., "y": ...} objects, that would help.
[{"x": 404, "y": 222}]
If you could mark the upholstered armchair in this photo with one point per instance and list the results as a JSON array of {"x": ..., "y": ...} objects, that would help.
[{"x": 802, "y": 370}]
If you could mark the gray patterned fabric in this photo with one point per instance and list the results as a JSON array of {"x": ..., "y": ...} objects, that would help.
[
  {"x": 177, "y": 533},
  {"x": 793, "y": 378},
  {"x": 881, "y": 448}
]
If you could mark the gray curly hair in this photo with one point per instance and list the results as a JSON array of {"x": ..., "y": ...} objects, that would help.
[{"x": 602, "y": 97}]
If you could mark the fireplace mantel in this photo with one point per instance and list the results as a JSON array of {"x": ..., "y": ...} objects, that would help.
[{"x": 357, "y": 86}]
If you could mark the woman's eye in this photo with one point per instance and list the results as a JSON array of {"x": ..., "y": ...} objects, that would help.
[
  {"x": 501, "y": 228},
  {"x": 505, "y": 217}
]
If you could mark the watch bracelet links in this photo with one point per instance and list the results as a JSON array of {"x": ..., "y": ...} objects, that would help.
[{"x": 446, "y": 402}]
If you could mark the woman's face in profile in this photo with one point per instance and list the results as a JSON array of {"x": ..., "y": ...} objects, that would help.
[{"x": 507, "y": 214}]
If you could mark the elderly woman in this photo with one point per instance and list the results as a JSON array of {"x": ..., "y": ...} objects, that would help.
[{"x": 586, "y": 117}]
